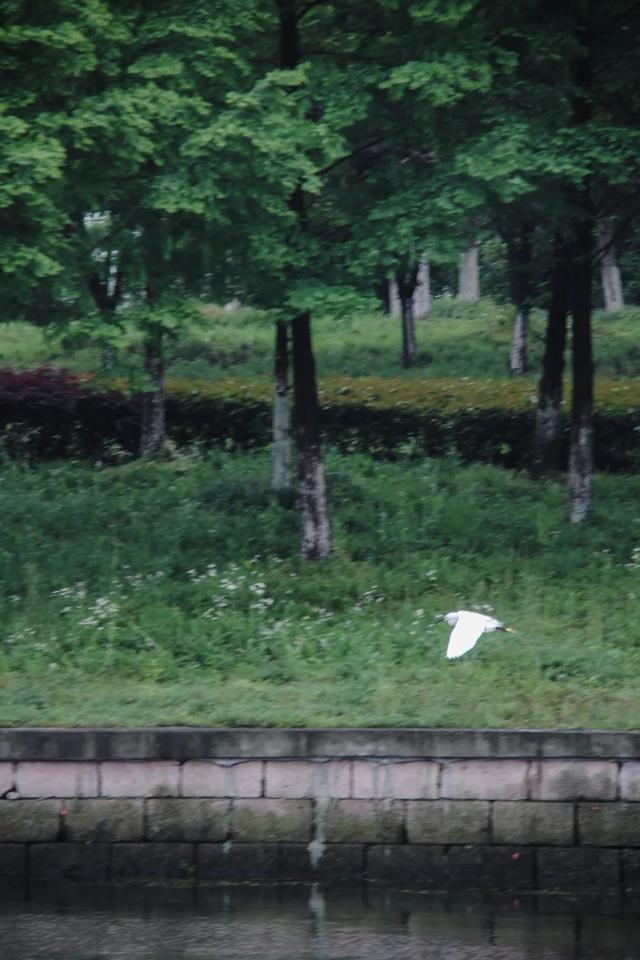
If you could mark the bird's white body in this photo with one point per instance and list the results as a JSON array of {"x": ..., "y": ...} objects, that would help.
[{"x": 468, "y": 627}]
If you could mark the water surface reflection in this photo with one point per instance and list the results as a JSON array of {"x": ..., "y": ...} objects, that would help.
[{"x": 308, "y": 923}]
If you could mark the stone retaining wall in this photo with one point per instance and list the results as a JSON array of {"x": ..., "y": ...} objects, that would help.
[{"x": 511, "y": 809}]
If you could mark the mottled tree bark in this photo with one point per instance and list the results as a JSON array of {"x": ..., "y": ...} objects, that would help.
[
  {"x": 579, "y": 480},
  {"x": 281, "y": 449},
  {"x": 548, "y": 443},
  {"x": 153, "y": 431},
  {"x": 519, "y": 257},
  {"x": 612, "y": 293},
  {"x": 107, "y": 303},
  {"x": 519, "y": 354},
  {"x": 314, "y": 520},
  {"x": 395, "y": 307},
  {"x": 469, "y": 273},
  {"x": 422, "y": 295},
  {"x": 406, "y": 283},
  {"x": 409, "y": 352},
  {"x": 315, "y": 541}
]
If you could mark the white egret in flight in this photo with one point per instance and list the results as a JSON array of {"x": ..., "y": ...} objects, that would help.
[{"x": 468, "y": 627}]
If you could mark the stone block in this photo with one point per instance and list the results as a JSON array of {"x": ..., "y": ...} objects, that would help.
[
  {"x": 62, "y": 778},
  {"x": 332, "y": 862},
  {"x": 609, "y": 824},
  {"x": 69, "y": 861},
  {"x": 630, "y": 781},
  {"x": 508, "y": 868},
  {"x": 631, "y": 870},
  {"x": 575, "y": 780},
  {"x": 210, "y": 778},
  {"x": 426, "y": 867},
  {"x": 485, "y": 780},
  {"x": 153, "y": 778},
  {"x": 483, "y": 867},
  {"x": 104, "y": 820},
  {"x": 153, "y": 861},
  {"x": 188, "y": 743},
  {"x": 289, "y": 778},
  {"x": 307, "y": 778},
  {"x": 577, "y": 869},
  {"x": 170, "y": 819},
  {"x": 13, "y": 859},
  {"x": 340, "y": 862},
  {"x": 218, "y": 862},
  {"x": 270, "y": 820},
  {"x": 467, "y": 866},
  {"x": 364, "y": 821},
  {"x": 7, "y": 778},
  {"x": 29, "y": 820},
  {"x": 532, "y": 822},
  {"x": 421, "y": 742},
  {"x": 589, "y": 744},
  {"x": 410, "y": 780},
  {"x": 448, "y": 821}
]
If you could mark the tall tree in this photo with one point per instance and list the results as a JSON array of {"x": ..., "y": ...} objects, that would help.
[
  {"x": 548, "y": 441},
  {"x": 49, "y": 53},
  {"x": 610, "y": 278},
  {"x": 520, "y": 265},
  {"x": 469, "y": 272},
  {"x": 314, "y": 518}
]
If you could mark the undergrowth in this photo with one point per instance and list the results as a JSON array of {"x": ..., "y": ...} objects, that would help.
[
  {"x": 455, "y": 340},
  {"x": 173, "y": 592}
]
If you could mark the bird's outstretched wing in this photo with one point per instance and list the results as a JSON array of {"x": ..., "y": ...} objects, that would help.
[{"x": 464, "y": 636}]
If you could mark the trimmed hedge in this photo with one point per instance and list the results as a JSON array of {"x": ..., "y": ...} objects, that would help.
[{"x": 52, "y": 413}]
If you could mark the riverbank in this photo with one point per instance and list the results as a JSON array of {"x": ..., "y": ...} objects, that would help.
[{"x": 172, "y": 592}]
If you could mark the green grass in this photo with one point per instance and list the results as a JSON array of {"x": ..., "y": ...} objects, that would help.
[
  {"x": 172, "y": 593},
  {"x": 457, "y": 339}
]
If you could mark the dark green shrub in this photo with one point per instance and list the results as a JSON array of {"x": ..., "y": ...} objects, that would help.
[{"x": 50, "y": 413}]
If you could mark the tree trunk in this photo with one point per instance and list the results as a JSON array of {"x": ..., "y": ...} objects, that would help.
[
  {"x": 609, "y": 271},
  {"x": 315, "y": 537},
  {"x": 107, "y": 303},
  {"x": 579, "y": 480},
  {"x": 108, "y": 358},
  {"x": 548, "y": 433},
  {"x": 422, "y": 296},
  {"x": 469, "y": 274},
  {"x": 153, "y": 433},
  {"x": 406, "y": 280},
  {"x": 281, "y": 449},
  {"x": 519, "y": 258},
  {"x": 519, "y": 357},
  {"x": 409, "y": 352},
  {"x": 314, "y": 519},
  {"x": 395, "y": 307}
]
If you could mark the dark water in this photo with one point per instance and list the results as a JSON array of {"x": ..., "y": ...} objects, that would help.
[{"x": 302, "y": 923}]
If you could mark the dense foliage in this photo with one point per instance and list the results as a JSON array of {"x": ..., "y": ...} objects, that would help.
[{"x": 304, "y": 159}]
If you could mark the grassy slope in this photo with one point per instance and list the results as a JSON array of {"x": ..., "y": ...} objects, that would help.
[
  {"x": 457, "y": 339},
  {"x": 102, "y": 622},
  {"x": 172, "y": 593}
]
